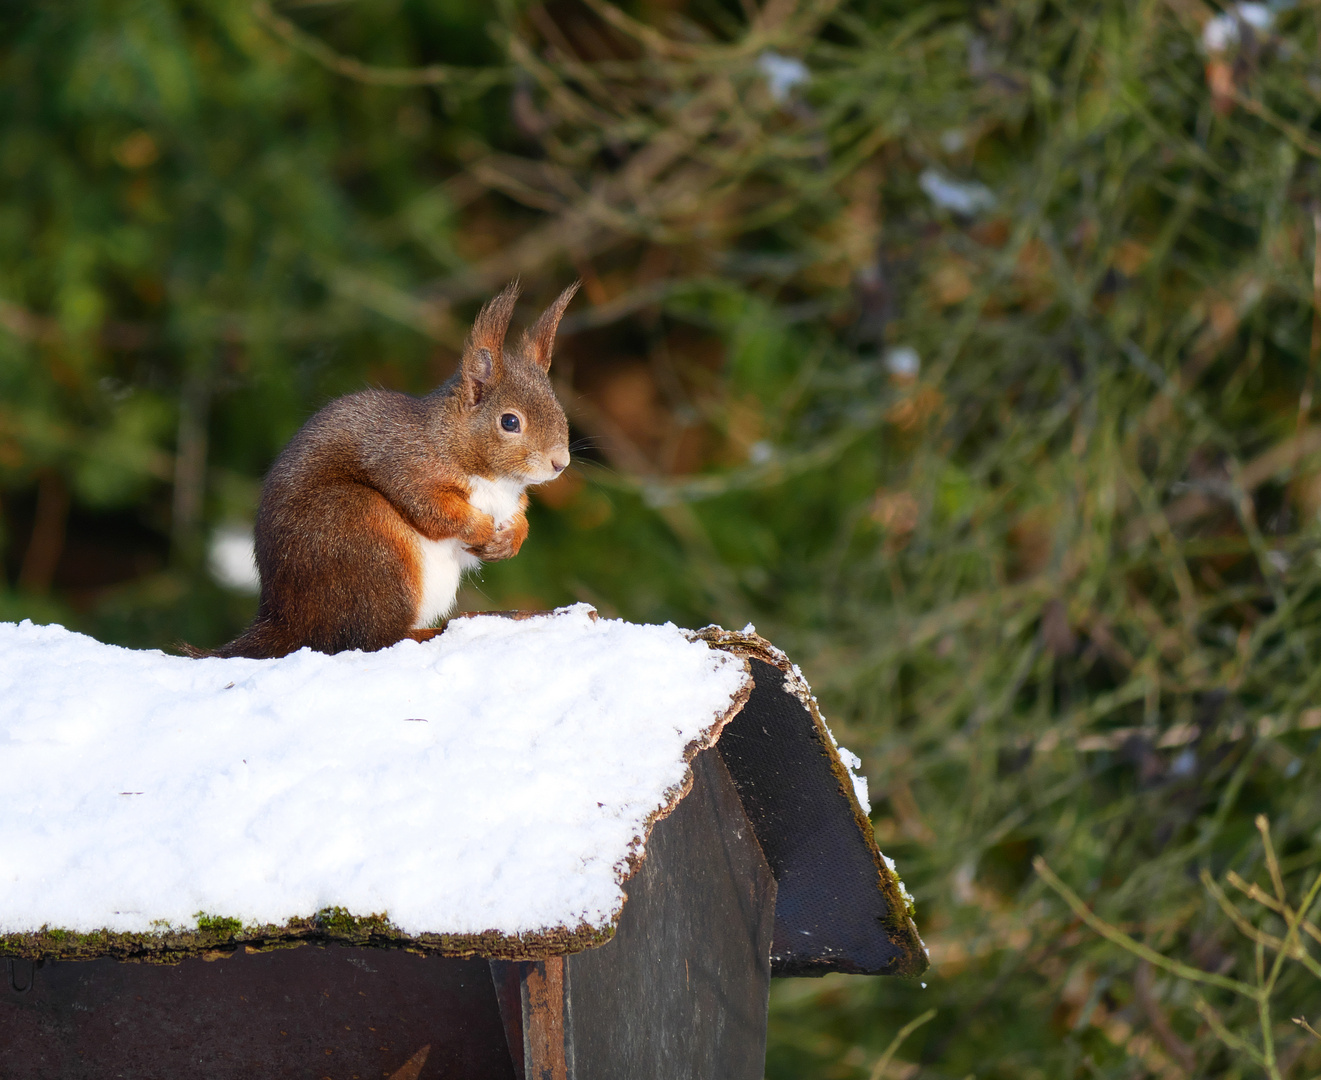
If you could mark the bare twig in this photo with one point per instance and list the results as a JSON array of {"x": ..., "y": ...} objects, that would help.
[
  {"x": 1118, "y": 937},
  {"x": 883, "y": 1062},
  {"x": 1235, "y": 1042},
  {"x": 1160, "y": 1024},
  {"x": 1272, "y": 864},
  {"x": 1241, "y": 921},
  {"x": 1292, "y": 132},
  {"x": 1277, "y": 459},
  {"x": 1257, "y": 893},
  {"x": 347, "y": 66}
]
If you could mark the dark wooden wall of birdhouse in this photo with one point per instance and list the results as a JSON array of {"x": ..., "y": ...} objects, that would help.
[{"x": 682, "y": 988}]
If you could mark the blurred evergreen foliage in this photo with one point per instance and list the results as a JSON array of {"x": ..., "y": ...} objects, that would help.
[{"x": 970, "y": 350}]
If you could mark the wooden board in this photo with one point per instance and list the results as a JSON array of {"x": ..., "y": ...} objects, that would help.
[
  {"x": 682, "y": 989},
  {"x": 306, "y": 1012},
  {"x": 837, "y": 907}
]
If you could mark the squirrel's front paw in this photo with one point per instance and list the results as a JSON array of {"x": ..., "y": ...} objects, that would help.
[
  {"x": 504, "y": 544},
  {"x": 481, "y": 531}
]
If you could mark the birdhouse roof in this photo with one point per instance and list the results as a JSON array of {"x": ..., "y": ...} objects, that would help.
[{"x": 489, "y": 792}]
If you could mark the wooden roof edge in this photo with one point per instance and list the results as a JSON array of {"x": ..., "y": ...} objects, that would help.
[
  {"x": 220, "y": 937},
  {"x": 900, "y": 925}
]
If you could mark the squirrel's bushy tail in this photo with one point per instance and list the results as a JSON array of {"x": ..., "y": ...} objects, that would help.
[{"x": 260, "y": 641}]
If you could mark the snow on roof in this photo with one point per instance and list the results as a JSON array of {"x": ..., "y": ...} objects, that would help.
[{"x": 497, "y": 778}]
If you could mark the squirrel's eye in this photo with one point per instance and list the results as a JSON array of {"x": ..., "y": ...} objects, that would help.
[{"x": 510, "y": 422}]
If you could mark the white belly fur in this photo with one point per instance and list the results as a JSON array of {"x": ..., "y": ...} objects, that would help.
[{"x": 444, "y": 561}]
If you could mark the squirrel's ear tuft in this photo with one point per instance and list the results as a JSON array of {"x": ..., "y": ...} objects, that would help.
[
  {"x": 539, "y": 339},
  {"x": 483, "y": 355}
]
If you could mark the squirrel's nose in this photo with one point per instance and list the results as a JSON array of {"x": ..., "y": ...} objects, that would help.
[{"x": 559, "y": 460}]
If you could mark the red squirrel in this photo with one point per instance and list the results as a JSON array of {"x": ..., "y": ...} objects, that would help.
[{"x": 381, "y": 501}]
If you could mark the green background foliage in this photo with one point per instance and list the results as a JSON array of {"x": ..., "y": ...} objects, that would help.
[{"x": 1059, "y": 586}]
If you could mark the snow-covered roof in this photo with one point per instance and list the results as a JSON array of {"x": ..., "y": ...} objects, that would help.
[{"x": 490, "y": 790}]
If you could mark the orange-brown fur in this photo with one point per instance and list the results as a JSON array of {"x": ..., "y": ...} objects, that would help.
[{"x": 344, "y": 504}]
